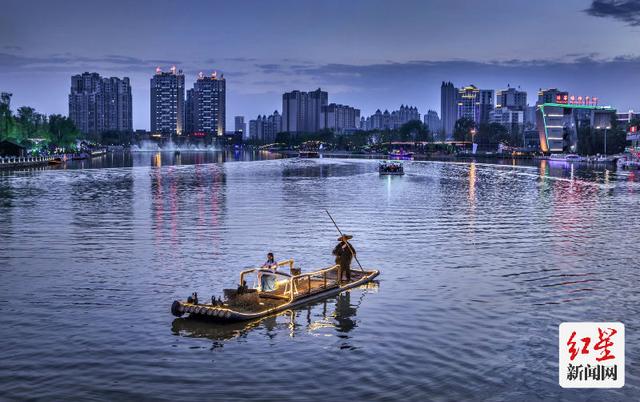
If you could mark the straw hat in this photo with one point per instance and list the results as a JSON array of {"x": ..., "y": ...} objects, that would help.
[{"x": 345, "y": 237}]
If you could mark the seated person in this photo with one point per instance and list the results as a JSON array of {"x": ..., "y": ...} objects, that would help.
[{"x": 267, "y": 280}]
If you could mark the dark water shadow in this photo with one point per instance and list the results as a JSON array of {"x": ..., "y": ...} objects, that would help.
[{"x": 336, "y": 312}]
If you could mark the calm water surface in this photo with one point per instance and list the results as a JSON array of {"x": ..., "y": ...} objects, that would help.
[{"x": 479, "y": 264}]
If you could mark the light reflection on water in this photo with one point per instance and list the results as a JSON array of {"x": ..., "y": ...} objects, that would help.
[{"x": 479, "y": 264}]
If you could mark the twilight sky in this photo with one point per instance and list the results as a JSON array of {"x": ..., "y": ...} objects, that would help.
[{"x": 367, "y": 53}]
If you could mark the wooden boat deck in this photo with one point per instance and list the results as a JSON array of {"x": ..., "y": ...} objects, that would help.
[{"x": 294, "y": 290}]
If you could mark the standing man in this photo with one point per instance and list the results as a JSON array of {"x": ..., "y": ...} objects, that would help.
[{"x": 344, "y": 253}]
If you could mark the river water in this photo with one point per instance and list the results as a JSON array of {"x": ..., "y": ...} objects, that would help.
[{"x": 480, "y": 264}]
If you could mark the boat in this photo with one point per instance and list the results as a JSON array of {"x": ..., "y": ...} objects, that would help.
[
  {"x": 628, "y": 163},
  {"x": 292, "y": 289},
  {"x": 400, "y": 154},
  {"x": 391, "y": 168},
  {"x": 56, "y": 161},
  {"x": 565, "y": 158},
  {"x": 308, "y": 154},
  {"x": 98, "y": 152}
]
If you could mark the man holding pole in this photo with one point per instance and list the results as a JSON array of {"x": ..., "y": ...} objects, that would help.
[{"x": 344, "y": 252}]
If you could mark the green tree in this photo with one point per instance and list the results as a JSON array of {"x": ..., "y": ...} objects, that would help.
[
  {"x": 62, "y": 131},
  {"x": 463, "y": 129},
  {"x": 498, "y": 134},
  {"x": 27, "y": 121},
  {"x": 6, "y": 117},
  {"x": 617, "y": 136},
  {"x": 414, "y": 130}
]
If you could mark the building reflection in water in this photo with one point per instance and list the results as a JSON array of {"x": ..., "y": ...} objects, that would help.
[
  {"x": 179, "y": 191},
  {"x": 334, "y": 314}
]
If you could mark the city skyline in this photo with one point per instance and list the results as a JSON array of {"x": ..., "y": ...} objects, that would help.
[{"x": 360, "y": 64}]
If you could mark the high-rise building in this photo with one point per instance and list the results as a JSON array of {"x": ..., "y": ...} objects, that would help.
[
  {"x": 404, "y": 115},
  {"x": 469, "y": 103},
  {"x": 552, "y": 95},
  {"x": 448, "y": 108},
  {"x": 511, "y": 98},
  {"x": 339, "y": 118},
  {"x": 432, "y": 121},
  {"x": 301, "y": 111},
  {"x": 391, "y": 120},
  {"x": 240, "y": 126},
  {"x": 167, "y": 102},
  {"x": 190, "y": 112},
  {"x": 530, "y": 117},
  {"x": 486, "y": 105},
  {"x": 206, "y": 105},
  {"x": 98, "y": 104},
  {"x": 475, "y": 104},
  {"x": 265, "y": 128}
]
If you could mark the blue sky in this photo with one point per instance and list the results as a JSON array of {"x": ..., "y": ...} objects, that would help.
[{"x": 369, "y": 54}]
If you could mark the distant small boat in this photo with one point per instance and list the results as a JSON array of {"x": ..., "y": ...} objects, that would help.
[
  {"x": 176, "y": 152},
  {"x": 56, "y": 161},
  {"x": 308, "y": 154},
  {"x": 565, "y": 158},
  {"x": 400, "y": 154},
  {"x": 390, "y": 168}
]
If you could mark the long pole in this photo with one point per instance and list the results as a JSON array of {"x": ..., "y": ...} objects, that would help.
[
  {"x": 348, "y": 245},
  {"x": 605, "y": 141}
]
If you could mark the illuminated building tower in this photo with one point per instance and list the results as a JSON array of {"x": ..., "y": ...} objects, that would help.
[
  {"x": 475, "y": 104},
  {"x": 469, "y": 103},
  {"x": 167, "y": 102},
  {"x": 448, "y": 108},
  {"x": 206, "y": 105}
]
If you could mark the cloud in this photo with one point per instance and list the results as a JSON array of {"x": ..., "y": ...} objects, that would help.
[
  {"x": 241, "y": 59},
  {"x": 627, "y": 11},
  {"x": 11, "y": 62}
]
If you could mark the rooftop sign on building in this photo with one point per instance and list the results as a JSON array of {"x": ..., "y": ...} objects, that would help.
[{"x": 577, "y": 100}]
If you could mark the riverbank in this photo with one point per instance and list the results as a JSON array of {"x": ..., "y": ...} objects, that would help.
[{"x": 11, "y": 162}]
